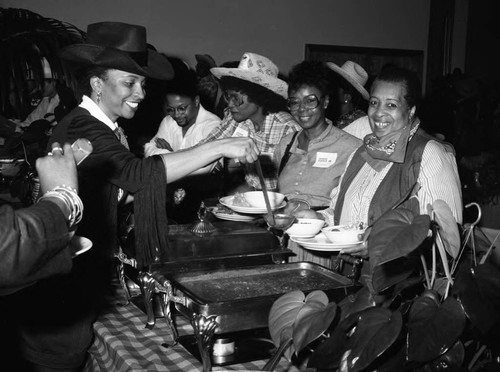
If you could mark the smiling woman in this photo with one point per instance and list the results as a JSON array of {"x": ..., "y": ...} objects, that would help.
[
  {"x": 112, "y": 81},
  {"x": 400, "y": 165}
]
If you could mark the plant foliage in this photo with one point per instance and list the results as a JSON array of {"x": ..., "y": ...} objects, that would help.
[{"x": 417, "y": 314}]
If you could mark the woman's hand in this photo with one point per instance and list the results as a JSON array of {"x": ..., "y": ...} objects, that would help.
[
  {"x": 58, "y": 168},
  {"x": 242, "y": 149},
  {"x": 358, "y": 251}
]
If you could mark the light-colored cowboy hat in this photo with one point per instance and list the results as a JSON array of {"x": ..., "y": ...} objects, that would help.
[
  {"x": 119, "y": 46},
  {"x": 354, "y": 74},
  {"x": 256, "y": 69}
]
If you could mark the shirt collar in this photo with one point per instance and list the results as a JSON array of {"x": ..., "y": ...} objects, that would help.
[{"x": 96, "y": 112}]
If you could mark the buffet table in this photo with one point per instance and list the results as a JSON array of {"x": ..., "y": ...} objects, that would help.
[{"x": 122, "y": 343}]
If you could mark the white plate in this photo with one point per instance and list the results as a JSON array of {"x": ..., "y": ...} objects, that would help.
[
  {"x": 321, "y": 243},
  {"x": 228, "y": 202},
  {"x": 300, "y": 236},
  {"x": 79, "y": 245},
  {"x": 230, "y": 216}
]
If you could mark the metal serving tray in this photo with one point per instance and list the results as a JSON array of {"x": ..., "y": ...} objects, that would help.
[
  {"x": 233, "y": 244},
  {"x": 242, "y": 297}
]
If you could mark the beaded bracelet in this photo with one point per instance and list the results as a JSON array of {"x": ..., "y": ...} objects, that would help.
[{"x": 72, "y": 201}]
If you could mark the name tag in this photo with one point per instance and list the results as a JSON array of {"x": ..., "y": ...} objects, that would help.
[
  {"x": 240, "y": 132},
  {"x": 325, "y": 159}
]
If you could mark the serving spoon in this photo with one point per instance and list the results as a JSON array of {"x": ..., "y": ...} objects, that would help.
[{"x": 279, "y": 221}]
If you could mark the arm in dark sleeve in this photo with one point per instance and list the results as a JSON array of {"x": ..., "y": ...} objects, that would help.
[{"x": 33, "y": 245}]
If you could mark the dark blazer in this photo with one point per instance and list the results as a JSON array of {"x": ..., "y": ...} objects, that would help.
[{"x": 33, "y": 245}]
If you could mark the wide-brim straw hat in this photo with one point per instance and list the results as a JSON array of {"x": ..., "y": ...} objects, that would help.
[
  {"x": 256, "y": 69},
  {"x": 354, "y": 74},
  {"x": 119, "y": 46}
]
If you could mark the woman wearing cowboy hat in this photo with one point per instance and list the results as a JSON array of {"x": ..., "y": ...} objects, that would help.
[
  {"x": 255, "y": 108},
  {"x": 114, "y": 65},
  {"x": 351, "y": 100}
]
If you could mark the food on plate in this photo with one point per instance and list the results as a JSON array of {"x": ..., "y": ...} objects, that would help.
[
  {"x": 239, "y": 200},
  {"x": 223, "y": 209}
]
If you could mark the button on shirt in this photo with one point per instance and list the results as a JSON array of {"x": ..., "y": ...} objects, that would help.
[
  {"x": 312, "y": 174},
  {"x": 274, "y": 128}
]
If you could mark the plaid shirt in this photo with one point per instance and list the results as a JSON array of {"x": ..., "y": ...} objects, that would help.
[{"x": 274, "y": 128}]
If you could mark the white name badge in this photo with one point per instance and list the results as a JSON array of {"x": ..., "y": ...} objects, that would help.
[
  {"x": 325, "y": 159},
  {"x": 240, "y": 132}
]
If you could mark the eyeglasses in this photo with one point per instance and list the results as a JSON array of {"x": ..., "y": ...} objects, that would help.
[
  {"x": 181, "y": 110},
  {"x": 235, "y": 97},
  {"x": 310, "y": 103}
]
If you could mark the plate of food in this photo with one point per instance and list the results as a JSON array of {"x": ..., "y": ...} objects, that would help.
[
  {"x": 224, "y": 213},
  {"x": 245, "y": 202},
  {"x": 321, "y": 243}
]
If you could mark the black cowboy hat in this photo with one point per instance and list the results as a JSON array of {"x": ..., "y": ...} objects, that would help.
[{"x": 119, "y": 46}]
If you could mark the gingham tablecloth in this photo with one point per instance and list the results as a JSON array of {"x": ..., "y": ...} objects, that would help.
[{"x": 123, "y": 344}]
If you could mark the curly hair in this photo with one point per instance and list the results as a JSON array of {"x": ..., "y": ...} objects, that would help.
[
  {"x": 311, "y": 73},
  {"x": 269, "y": 101}
]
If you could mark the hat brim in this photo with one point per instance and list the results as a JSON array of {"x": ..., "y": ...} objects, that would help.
[
  {"x": 158, "y": 66},
  {"x": 349, "y": 79},
  {"x": 275, "y": 85}
]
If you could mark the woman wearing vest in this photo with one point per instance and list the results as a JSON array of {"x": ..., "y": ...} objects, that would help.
[{"x": 394, "y": 157}]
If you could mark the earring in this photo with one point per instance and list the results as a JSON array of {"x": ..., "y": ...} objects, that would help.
[
  {"x": 98, "y": 97},
  {"x": 346, "y": 101}
]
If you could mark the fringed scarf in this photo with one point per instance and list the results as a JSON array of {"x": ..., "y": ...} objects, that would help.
[
  {"x": 150, "y": 216},
  {"x": 391, "y": 148}
]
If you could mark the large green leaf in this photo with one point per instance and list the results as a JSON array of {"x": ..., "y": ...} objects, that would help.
[
  {"x": 393, "y": 272},
  {"x": 283, "y": 313},
  {"x": 396, "y": 234},
  {"x": 356, "y": 302},
  {"x": 452, "y": 360},
  {"x": 312, "y": 320},
  {"x": 478, "y": 289},
  {"x": 448, "y": 228},
  {"x": 303, "y": 318},
  {"x": 327, "y": 356},
  {"x": 376, "y": 331},
  {"x": 433, "y": 328}
]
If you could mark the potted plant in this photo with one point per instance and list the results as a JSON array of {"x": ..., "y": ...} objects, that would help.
[{"x": 425, "y": 308}]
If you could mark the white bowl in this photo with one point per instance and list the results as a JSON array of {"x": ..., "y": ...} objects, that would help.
[
  {"x": 305, "y": 227},
  {"x": 341, "y": 234},
  {"x": 256, "y": 199}
]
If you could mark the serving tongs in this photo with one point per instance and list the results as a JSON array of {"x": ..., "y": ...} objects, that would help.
[{"x": 279, "y": 221}]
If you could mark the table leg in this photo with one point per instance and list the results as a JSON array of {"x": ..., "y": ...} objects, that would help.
[
  {"x": 204, "y": 328},
  {"x": 147, "y": 288}
]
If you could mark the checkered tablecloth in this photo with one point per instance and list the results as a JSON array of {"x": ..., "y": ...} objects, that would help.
[{"x": 123, "y": 344}]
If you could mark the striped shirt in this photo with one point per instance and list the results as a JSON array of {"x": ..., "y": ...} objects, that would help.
[
  {"x": 438, "y": 179},
  {"x": 274, "y": 128}
]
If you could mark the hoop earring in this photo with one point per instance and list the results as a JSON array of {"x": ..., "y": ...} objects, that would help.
[{"x": 98, "y": 97}]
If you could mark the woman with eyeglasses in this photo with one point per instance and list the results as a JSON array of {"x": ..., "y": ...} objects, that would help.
[
  {"x": 256, "y": 108},
  {"x": 399, "y": 164},
  {"x": 311, "y": 161}
]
